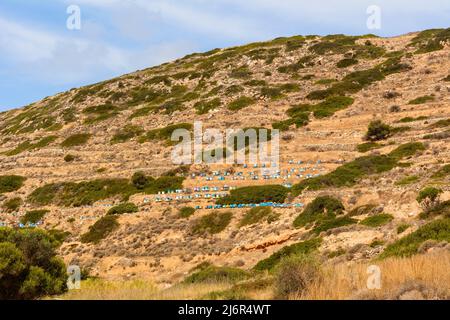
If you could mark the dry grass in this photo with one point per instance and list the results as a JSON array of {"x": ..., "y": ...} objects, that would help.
[
  {"x": 139, "y": 290},
  {"x": 426, "y": 273},
  {"x": 430, "y": 271}
]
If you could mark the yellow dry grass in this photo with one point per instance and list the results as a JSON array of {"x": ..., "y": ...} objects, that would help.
[
  {"x": 342, "y": 281},
  {"x": 338, "y": 282}
]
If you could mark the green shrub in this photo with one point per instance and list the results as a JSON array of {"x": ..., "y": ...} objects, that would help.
[
  {"x": 407, "y": 180},
  {"x": 204, "y": 106},
  {"x": 11, "y": 183},
  {"x": 367, "y": 146},
  {"x": 447, "y": 78},
  {"x": 212, "y": 223},
  {"x": 378, "y": 130},
  {"x": 438, "y": 230},
  {"x": 122, "y": 208},
  {"x": 325, "y": 81},
  {"x": 127, "y": 133},
  {"x": 430, "y": 40},
  {"x": 272, "y": 93},
  {"x": 166, "y": 132},
  {"x": 333, "y": 223},
  {"x": 241, "y": 73},
  {"x": 140, "y": 180},
  {"x": 258, "y": 214},
  {"x": 28, "y": 146},
  {"x": 442, "y": 173},
  {"x": 323, "y": 109},
  {"x": 347, "y": 62},
  {"x": 241, "y": 103},
  {"x": 295, "y": 274},
  {"x": 29, "y": 267},
  {"x": 438, "y": 209},
  {"x": 402, "y": 228},
  {"x": 76, "y": 140},
  {"x": 421, "y": 100},
  {"x": 429, "y": 194},
  {"x": 12, "y": 205},
  {"x": 441, "y": 123},
  {"x": 377, "y": 220},
  {"x": 213, "y": 274},
  {"x": 305, "y": 247},
  {"x": 186, "y": 212},
  {"x": 164, "y": 183},
  {"x": 411, "y": 119},
  {"x": 33, "y": 216},
  {"x": 69, "y": 158},
  {"x": 255, "y": 194},
  {"x": 362, "y": 210},
  {"x": 100, "y": 229},
  {"x": 321, "y": 208},
  {"x": 407, "y": 150},
  {"x": 82, "y": 193}
]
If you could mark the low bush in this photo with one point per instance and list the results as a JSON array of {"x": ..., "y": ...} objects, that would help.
[
  {"x": 377, "y": 220},
  {"x": 76, "y": 140},
  {"x": 29, "y": 266},
  {"x": 12, "y": 205},
  {"x": 402, "y": 228},
  {"x": 166, "y": 132},
  {"x": 377, "y": 131},
  {"x": 438, "y": 230},
  {"x": 100, "y": 229},
  {"x": 33, "y": 216},
  {"x": 333, "y": 223},
  {"x": 127, "y": 133},
  {"x": 186, "y": 212},
  {"x": 241, "y": 103},
  {"x": 258, "y": 214},
  {"x": 255, "y": 195},
  {"x": 442, "y": 173},
  {"x": 421, "y": 100},
  {"x": 212, "y": 223},
  {"x": 213, "y": 274},
  {"x": 347, "y": 62},
  {"x": 69, "y": 158},
  {"x": 295, "y": 274},
  {"x": 441, "y": 124},
  {"x": 11, "y": 183},
  {"x": 321, "y": 208},
  {"x": 122, "y": 208},
  {"x": 407, "y": 180},
  {"x": 305, "y": 247},
  {"x": 367, "y": 146},
  {"x": 438, "y": 209},
  {"x": 204, "y": 106}
]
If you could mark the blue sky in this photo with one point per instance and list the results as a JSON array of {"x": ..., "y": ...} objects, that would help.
[{"x": 39, "y": 56}]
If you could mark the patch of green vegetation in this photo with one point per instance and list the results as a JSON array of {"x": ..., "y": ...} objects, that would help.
[
  {"x": 126, "y": 133},
  {"x": 329, "y": 224},
  {"x": 100, "y": 229},
  {"x": 430, "y": 40},
  {"x": 447, "y": 79},
  {"x": 204, "y": 106},
  {"x": 377, "y": 220},
  {"x": 12, "y": 205},
  {"x": 213, "y": 274},
  {"x": 442, "y": 172},
  {"x": 441, "y": 123},
  {"x": 350, "y": 173},
  {"x": 300, "y": 119},
  {"x": 11, "y": 183},
  {"x": 305, "y": 247},
  {"x": 325, "y": 81},
  {"x": 292, "y": 68},
  {"x": 100, "y": 112},
  {"x": 257, "y": 215},
  {"x": 430, "y": 193},
  {"x": 186, "y": 212},
  {"x": 273, "y": 93},
  {"x": 241, "y": 103},
  {"x": 346, "y": 62},
  {"x": 411, "y": 119},
  {"x": 403, "y": 227},
  {"x": 126, "y": 207},
  {"x": 357, "y": 80},
  {"x": 241, "y": 73},
  {"x": 33, "y": 216},
  {"x": 407, "y": 180},
  {"x": 69, "y": 158},
  {"x": 438, "y": 136},
  {"x": 367, "y": 146},
  {"x": 165, "y": 133},
  {"x": 255, "y": 195},
  {"x": 212, "y": 223},
  {"x": 82, "y": 193},
  {"x": 439, "y": 209},
  {"x": 234, "y": 89},
  {"x": 78, "y": 139},
  {"x": 320, "y": 209},
  {"x": 421, "y": 100},
  {"x": 438, "y": 230},
  {"x": 29, "y": 265},
  {"x": 28, "y": 146}
]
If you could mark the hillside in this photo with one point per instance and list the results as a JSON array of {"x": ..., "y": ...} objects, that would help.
[{"x": 67, "y": 160}]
